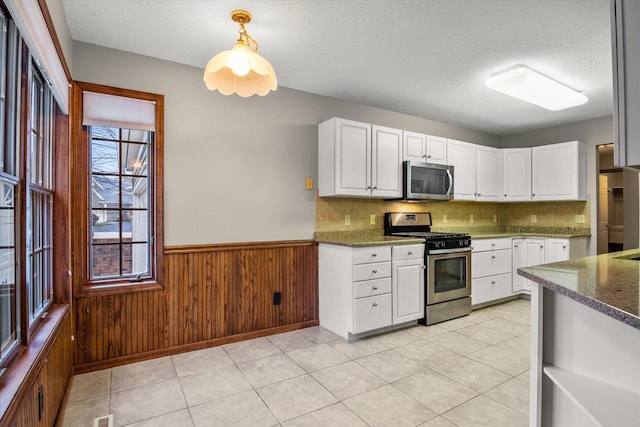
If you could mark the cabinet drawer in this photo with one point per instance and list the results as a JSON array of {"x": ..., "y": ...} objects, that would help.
[
  {"x": 374, "y": 270},
  {"x": 405, "y": 252},
  {"x": 371, "y": 254},
  {"x": 370, "y": 288},
  {"x": 490, "y": 244},
  {"x": 490, "y": 288},
  {"x": 371, "y": 313},
  {"x": 490, "y": 263}
]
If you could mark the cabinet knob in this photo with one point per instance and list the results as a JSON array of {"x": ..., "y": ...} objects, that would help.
[
  {"x": 505, "y": 194},
  {"x": 493, "y": 283},
  {"x": 429, "y": 156},
  {"x": 409, "y": 253},
  {"x": 493, "y": 257},
  {"x": 375, "y": 187},
  {"x": 374, "y": 272},
  {"x": 564, "y": 246},
  {"x": 541, "y": 247},
  {"x": 375, "y": 288},
  {"x": 533, "y": 194},
  {"x": 375, "y": 304},
  {"x": 479, "y": 194},
  {"x": 373, "y": 255}
]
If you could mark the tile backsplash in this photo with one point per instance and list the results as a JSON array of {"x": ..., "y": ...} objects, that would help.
[{"x": 331, "y": 213}]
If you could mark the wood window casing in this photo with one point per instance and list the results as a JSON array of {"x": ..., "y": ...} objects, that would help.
[{"x": 84, "y": 286}]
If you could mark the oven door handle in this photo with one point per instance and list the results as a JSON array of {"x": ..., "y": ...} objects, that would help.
[{"x": 450, "y": 251}]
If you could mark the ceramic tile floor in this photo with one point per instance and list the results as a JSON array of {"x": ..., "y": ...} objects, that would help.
[{"x": 471, "y": 371}]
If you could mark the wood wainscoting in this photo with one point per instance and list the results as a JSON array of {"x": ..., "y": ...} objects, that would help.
[{"x": 212, "y": 295}]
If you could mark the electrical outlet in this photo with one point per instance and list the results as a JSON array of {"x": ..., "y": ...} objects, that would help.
[
  {"x": 471, "y": 218},
  {"x": 372, "y": 219},
  {"x": 308, "y": 183},
  {"x": 579, "y": 219},
  {"x": 347, "y": 220},
  {"x": 534, "y": 219},
  {"x": 444, "y": 219},
  {"x": 495, "y": 218}
]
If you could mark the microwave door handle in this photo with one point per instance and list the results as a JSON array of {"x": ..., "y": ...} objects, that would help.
[{"x": 450, "y": 182}]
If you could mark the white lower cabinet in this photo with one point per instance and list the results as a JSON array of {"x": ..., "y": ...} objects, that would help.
[
  {"x": 407, "y": 282},
  {"x": 490, "y": 270},
  {"x": 362, "y": 290},
  {"x": 535, "y": 251}
]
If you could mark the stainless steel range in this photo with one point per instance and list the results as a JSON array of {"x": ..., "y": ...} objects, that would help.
[{"x": 447, "y": 261}]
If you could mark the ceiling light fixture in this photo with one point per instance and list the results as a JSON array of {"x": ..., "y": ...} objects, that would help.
[
  {"x": 530, "y": 86},
  {"x": 240, "y": 70}
]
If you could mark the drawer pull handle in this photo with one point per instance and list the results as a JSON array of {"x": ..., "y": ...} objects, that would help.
[
  {"x": 374, "y": 272},
  {"x": 375, "y": 288},
  {"x": 409, "y": 253},
  {"x": 493, "y": 282},
  {"x": 375, "y": 304},
  {"x": 493, "y": 257},
  {"x": 373, "y": 255}
]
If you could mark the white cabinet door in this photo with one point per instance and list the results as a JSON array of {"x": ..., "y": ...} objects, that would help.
[
  {"x": 526, "y": 253},
  {"x": 557, "y": 250},
  {"x": 344, "y": 158},
  {"x": 436, "y": 151},
  {"x": 462, "y": 156},
  {"x": 386, "y": 172},
  {"x": 408, "y": 290},
  {"x": 516, "y": 174},
  {"x": 414, "y": 146},
  {"x": 558, "y": 171},
  {"x": 371, "y": 313},
  {"x": 487, "y": 173}
]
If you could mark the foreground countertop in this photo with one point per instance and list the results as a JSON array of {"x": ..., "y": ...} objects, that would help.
[
  {"x": 607, "y": 283},
  {"x": 363, "y": 238}
]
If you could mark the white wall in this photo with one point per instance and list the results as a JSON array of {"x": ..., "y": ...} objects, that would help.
[
  {"x": 593, "y": 132},
  {"x": 235, "y": 167}
]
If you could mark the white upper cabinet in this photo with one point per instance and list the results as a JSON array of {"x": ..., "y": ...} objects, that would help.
[
  {"x": 419, "y": 147},
  {"x": 476, "y": 174},
  {"x": 386, "y": 173},
  {"x": 359, "y": 160},
  {"x": 559, "y": 171},
  {"x": 462, "y": 156},
  {"x": 516, "y": 174},
  {"x": 487, "y": 174}
]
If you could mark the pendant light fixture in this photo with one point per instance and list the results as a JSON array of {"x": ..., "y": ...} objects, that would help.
[{"x": 240, "y": 70}]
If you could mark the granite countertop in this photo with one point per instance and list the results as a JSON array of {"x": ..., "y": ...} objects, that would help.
[
  {"x": 363, "y": 238},
  {"x": 607, "y": 283},
  {"x": 497, "y": 232}
]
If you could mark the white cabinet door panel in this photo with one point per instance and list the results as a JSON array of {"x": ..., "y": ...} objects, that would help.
[
  {"x": 516, "y": 174},
  {"x": 371, "y": 313},
  {"x": 408, "y": 290},
  {"x": 386, "y": 174}
]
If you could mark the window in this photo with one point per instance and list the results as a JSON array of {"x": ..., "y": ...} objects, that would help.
[
  {"x": 120, "y": 135},
  {"x": 27, "y": 117},
  {"x": 40, "y": 197}
]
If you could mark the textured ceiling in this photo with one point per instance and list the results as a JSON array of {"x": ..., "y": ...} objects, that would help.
[{"x": 428, "y": 58}]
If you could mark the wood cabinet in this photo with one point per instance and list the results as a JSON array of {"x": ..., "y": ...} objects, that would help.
[
  {"x": 559, "y": 171},
  {"x": 490, "y": 270},
  {"x": 626, "y": 81},
  {"x": 364, "y": 289},
  {"x": 359, "y": 160},
  {"x": 419, "y": 147},
  {"x": 476, "y": 171},
  {"x": 516, "y": 174},
  {"x": 407, "y": 283},
  {"x": 41, "y": 404}
]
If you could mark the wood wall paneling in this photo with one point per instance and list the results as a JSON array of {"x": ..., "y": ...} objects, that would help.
[{"x": 212, "y": 294}]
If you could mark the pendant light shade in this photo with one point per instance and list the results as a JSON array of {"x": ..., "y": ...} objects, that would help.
[{"x": 240, "y": 70}]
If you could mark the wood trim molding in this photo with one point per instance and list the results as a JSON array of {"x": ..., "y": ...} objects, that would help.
[
  {"x": 103, "y": 364},
  {"x": 219, "y": 247},
  {"x": 54, "y": 36}
]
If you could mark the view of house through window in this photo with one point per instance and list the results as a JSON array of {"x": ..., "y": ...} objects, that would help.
[{"x": 119, "y": 202}]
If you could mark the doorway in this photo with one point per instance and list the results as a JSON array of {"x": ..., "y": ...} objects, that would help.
[{"x": 610, "y": 202}]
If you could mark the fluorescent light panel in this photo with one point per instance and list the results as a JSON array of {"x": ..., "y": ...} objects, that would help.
[{"x": 530, "y": 86}]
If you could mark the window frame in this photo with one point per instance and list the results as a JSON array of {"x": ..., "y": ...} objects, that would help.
[{"x": 81, "y": 211}]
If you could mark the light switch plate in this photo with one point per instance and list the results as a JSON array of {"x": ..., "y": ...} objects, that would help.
[
  {"x": 347, "y": 220},
  {"x": 372, "y": 219},
  {"x": 534, "y": 219},
  {"x": 471, "y": 218},
  {"x": 580, "y": 219},
  {"x": 308, "y": 183}
]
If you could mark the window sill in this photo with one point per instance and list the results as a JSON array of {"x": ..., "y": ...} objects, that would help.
[
  {"x": 93, "y": 290},
  {"x": 24, "y": 368}
]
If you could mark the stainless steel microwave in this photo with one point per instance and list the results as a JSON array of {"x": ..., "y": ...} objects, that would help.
[{"x": 427, "y": 181}]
